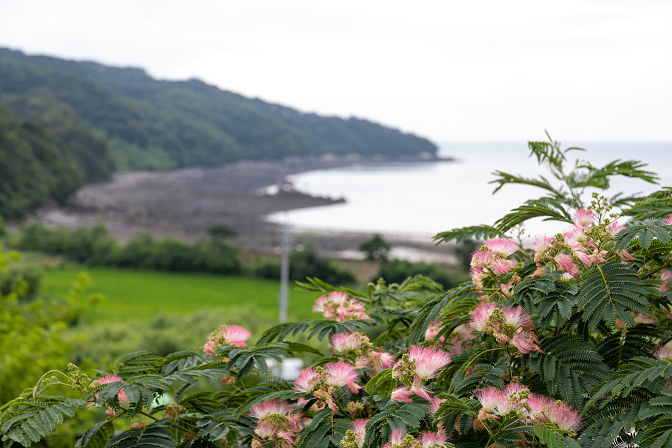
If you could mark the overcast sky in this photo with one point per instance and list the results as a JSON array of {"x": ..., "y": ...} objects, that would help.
[{"x": 447, "y": 70}]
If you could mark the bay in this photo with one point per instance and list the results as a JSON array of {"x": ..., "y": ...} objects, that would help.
[{"x": 420, "y": 199}]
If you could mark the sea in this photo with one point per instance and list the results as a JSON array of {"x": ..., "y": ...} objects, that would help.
[{"x": 421, "y": 199}]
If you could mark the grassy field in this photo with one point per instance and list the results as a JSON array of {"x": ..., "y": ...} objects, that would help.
[{"x": 144, "y": 294}]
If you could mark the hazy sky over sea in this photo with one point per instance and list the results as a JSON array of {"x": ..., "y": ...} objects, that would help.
[{"x": 487, "y": 70}]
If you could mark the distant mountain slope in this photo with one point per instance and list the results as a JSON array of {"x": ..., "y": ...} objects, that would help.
[
  {"x": 34, "y": 167},
  {"x": 153, "y": 124}
]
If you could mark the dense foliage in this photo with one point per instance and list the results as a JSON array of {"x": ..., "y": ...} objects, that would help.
[
  {"x": 151, "y": 124},
  {"x": 93, "y": 246},
  {"x": 561, "y": 342},
  {"x": 35, "y": 166}
]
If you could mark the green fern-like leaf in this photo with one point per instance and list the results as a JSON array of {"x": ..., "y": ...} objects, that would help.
[
  {"x": 610, "y": 291},
  {"x": 466, "y": 233}
]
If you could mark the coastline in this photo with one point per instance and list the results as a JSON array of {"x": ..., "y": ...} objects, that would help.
[{"x": 183, "y": 203}]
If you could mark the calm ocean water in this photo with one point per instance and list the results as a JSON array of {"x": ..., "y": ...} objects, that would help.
[{"x": 422, "y": 199}]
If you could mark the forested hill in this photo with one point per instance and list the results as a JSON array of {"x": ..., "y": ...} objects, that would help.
[{"x": 153, "y": 124}]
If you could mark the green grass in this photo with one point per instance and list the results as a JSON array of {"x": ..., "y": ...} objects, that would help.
[{"x": 141, "y": 295}]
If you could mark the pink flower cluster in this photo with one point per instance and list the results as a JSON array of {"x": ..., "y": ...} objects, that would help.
[
  {"x": 357, "y": 344},
  {"x": 324, "y": 382},
  {"x": 427, "y": 439},
  {"x": 277, "y": 422},
  {"x": 226, "y": 335},
  {"x": 506, "y": 324},
  {"x": 354, "y": 437},
  {"x": 492, "y": 259},
  {"x": 341, "y": 306},
  {"x": 460, "y": 339},
  {"x": 575, "y": 249},
  {"x": 414, "y": 369},
  {"x": 533, "y": 408},
  {"x": 107, "y": 379}
]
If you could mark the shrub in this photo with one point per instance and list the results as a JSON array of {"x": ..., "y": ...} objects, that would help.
[
  {"x": 305, "y": 262},
  {"x": 561, "y": 344}
]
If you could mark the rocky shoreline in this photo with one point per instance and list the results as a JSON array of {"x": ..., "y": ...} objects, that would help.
[{"x": 184, "y": 203}]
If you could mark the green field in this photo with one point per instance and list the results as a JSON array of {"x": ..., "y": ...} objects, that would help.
[{"x": 142, "y": 295}]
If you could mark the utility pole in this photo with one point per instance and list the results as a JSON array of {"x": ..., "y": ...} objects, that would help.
[{"x": 283, "y": 298}]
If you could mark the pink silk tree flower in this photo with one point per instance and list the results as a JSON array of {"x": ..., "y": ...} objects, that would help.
[
  {"x": 339, "y": 305},
  {"x": 564, "y": 417},
  {"x": 584, "y": 218},
  {"x": 583, "y": 257},
  {"x": 359, "y": 428},
  {"x": 492, "y": 399},
  {"x": 271, "y": 407},
  {"x": 502, "y": 246},
  {"x": 598, "y": 257},
  {"x": 307, "y": 381},
  {"x": 625, "y": 255},
  {"x": 429, "y": 439},
  {"x": 235, "y": 336},
  {"x": 517, "y": 318},
  {"x": 526, "y": 342},
  {"x": 566, "y": 264},
  {"x": 428, "y": 361},
  {"x": 667, "y": 221},
  {"x": 396, "y": 439},
  {"x": 502, "y": 266},
  {"x": 107, "y": 379},
  {"x": 340, "y": 374},
  {"x": 402, "y": 394},
  {"x": 541, "y": 243},
  {"x": 663, "y": 353},
  {"x": 615, "y": 227},
  {"x": 435, "y": 403},
  {"x": 380, "y": 360},
  {"x": 209, "y": 348},
  {"x": 341, "y": 342},
  {"x": 433, "y": 330},
  {"x": 480, "y": 317}
]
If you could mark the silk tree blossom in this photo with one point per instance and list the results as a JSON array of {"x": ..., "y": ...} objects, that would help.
[
  {"x": 277, "y": 422},
  {"x": 507, "y": 325},
  {"x": 615, "y": 227},
  {"x": 502, "y": 246},
  {"x": 379, "y": 360},
  {"x": 402, "y": 394},
  {"x": 399, "y": 439},
  {"x": 664, "y": 353},
  {"x": 667, "y": 221},
  {"x": 428, "y": 361},
  {"x": 107, "y": 379},
  {"x": 415, "y": 368},
  {"x": 516, "y": 398},
  {"x": 486, "y": 262},
  {"x": 354, "y": 437},
  {"x": 429, "y": 439},
  {"x": 584, "y": 217},
  {"x": 307, "y": 381},
  {"x": 339, "y": 374},
  {"x": 232, "y": 335},
  {"x": 351, "y": 341},
  {"x": 341, "y": 306},
  {"x": 566, "y": 264}
]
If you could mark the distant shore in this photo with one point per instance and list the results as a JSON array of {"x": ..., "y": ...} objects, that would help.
[{"x": 183, "y": 203}]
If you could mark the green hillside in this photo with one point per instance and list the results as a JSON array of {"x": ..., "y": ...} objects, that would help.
[
  {"x": 154, "y": 124},
  {"x": 35, "y": 166}
]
